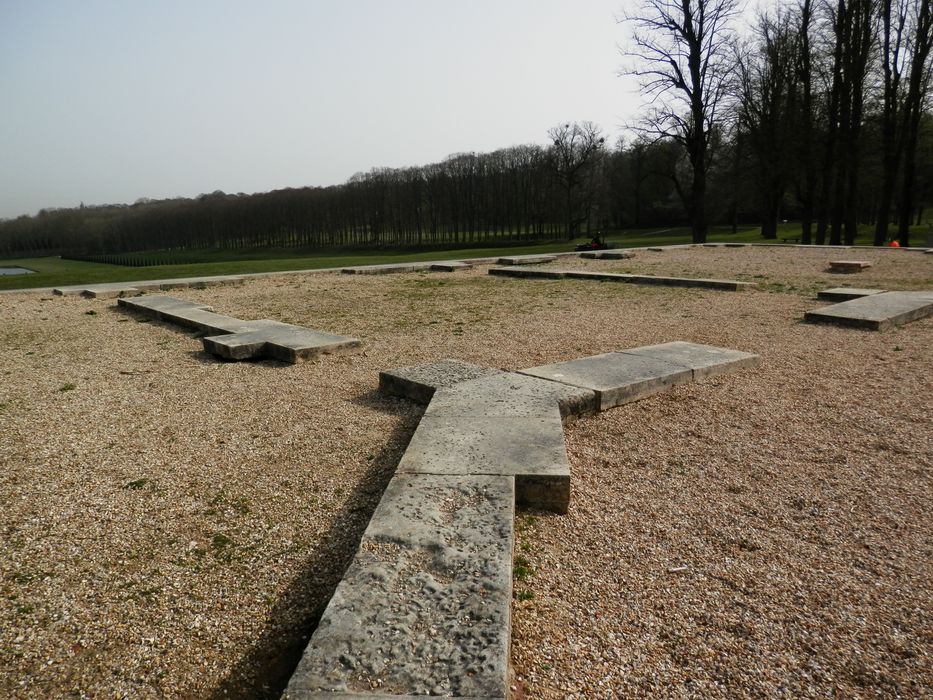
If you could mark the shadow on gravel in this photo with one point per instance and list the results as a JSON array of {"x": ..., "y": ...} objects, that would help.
[{"x": 264, "y": 671}]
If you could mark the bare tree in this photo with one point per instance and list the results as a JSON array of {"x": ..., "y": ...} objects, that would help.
[
  {"x": 576, "y": 151},
  {"x": 917, "y": 90},
  {"x": 766, "y": 106},
  {"x": 682, "y": 51}
]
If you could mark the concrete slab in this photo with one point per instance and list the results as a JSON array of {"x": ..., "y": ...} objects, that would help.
[
  {"x": 508, "y": 394},
  {"x": 722, "y": 285},
  {"x": 848, "y": 265},
  {"x": 189, "y": 314},
  {"x": 109, "y": 290},
  {"x": 703, "y": 360},
  {"x": 617, "y": 378},
  {"x": 525, "y": 272},
  {"x": 846, "y": 293},
  {"x": 233, "y": 339},
  {"x": 278, "y": 341},
  {"x": 876, "y": 312},
  {"x": 386, "y": 269},
  {"x": 449, "y": 266},
  {"x": 526, "y": 259},
  {"x": 419, "y": 382},
  {"x": 424, "y": 607},
  {"x": 607, "y": 254},
  {"x": 529, "y": 448}
]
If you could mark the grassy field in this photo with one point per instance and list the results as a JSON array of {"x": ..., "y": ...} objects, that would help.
[{"x": 53, "y": 271}]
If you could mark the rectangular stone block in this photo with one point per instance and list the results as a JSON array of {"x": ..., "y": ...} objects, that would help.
[
  {"x": 876, "y": 312},
  {"x": 846, "y": 293},
  {"x": 616, "y": 378},
  {"x": 277, "y": 341},
  {"x": 449, "y": 266},
  {"x": 529, "y": 448},
  {"x": 703, "y": 360},
  {"x": 511, "y": 394},
  {"x": 424, "y": 607},
  {"x": 848, "y": 265},
  {"x": 419, "y": 382},
  {"x": 724, "y": 285},
  {"x": 521, "y": 272},
  {"x": 526, "y": 259}
]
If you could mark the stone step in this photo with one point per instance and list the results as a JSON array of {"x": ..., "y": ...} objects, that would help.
[
  {"x": 423, "y": 608},
  {"x": 387, "y": 269},
  {"x": 876, "y": 312}
]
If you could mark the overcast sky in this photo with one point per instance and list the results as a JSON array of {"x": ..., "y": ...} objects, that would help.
[{"x": 110, "y": 101}]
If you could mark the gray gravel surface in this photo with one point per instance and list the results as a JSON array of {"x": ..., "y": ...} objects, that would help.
[{"x": 173, "y": 524}]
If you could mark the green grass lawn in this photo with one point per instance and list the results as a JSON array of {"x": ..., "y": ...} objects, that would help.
[{"x": 55, "y": 272}]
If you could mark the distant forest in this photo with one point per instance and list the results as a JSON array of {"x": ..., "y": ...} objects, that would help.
[{"x": 819, "y": 115}]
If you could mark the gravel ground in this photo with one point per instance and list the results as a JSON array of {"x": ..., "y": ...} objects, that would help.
[{"x": 173, "y": 525}]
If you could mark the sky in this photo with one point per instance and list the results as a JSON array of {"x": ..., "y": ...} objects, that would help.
[{"x": 109, "y": 101}]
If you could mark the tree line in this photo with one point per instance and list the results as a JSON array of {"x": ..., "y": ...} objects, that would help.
[
  {"x": 818, "y": 113},
  {"x": 822, "y": 102}
]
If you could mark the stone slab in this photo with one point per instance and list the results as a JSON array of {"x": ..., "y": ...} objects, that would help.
[
  {"x": 449, "y": 266},
  {"x": 876, "y": 312},
  {"x": 185, "y": 313},
  {"x": 529, "y": 448},
  {"x": 722, "y": 285},
  {"x": 109, "y": 290},
  {"x": 508, "y": 394},
  {"x": 386, "y": 269},
  {"x": 278, "y": 341},
  {"x": 846, "y": 293},
  {"x": 607, "y": 254},
  {"x": 234, "y": 339},
  {"x": 703, "y": 360},
  {"x": 848, "y": 265},
  {"x": 423, "y": 608},
  {"x": 525, "y": 272},
  {"x": 526, "y": 259},
  {"x": 616, "y": 377},
  {"x": 419, "y": 382}
]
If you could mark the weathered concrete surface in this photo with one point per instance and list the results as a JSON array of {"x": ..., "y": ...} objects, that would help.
[
  {"x": 526, "y": 259},
  {"x": 233, "y": 339},
  {"x": 608, "y": 254},
  {"x": 189, "y": 314},
  {"x": 848, "y": 265},
  {"x": 279, "y": 341},
  {"x": 110, "y": 290},
  {"x": 419, "y": 382},
  {"x": 723, "y": 285},
  {"x": 449, "y": 266},
  {"x": 616, "y": 377},
  {"x": 424, "y": 607},
  {"x": 526, "y": 272},
  {"x": 530, "y": 448},
  {"x": 876, "y": 312},
  {"x": 386, "y": 269},
  {"x": 509, "y": 394},
  {"x": 703, "y": 360},
  {"x": 846, "y": 293}
]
